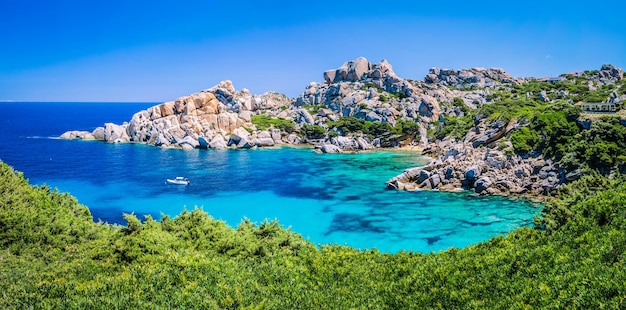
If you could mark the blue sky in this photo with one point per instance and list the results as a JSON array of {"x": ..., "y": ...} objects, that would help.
[{"x": 157, "y": 51}]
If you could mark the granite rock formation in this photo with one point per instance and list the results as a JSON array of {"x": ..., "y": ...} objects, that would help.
[
  {"x": 222, "y": 117},
  {"x": 485, "y": 170},
  {"x": 207, "y": 119}
]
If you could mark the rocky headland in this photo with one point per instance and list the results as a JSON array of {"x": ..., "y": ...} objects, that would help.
[{"x": 362, "y": 106}]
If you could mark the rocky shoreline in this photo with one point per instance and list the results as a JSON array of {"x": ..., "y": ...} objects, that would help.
[
  {"x": 332, "y": 117},
  {"x": 221, "y": 117},
  {"x": 458, "y": 166}
]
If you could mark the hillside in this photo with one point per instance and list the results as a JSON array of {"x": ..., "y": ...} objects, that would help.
[
  {"x": 531, "y": 138},
  {"x": 52, "y": 255}
]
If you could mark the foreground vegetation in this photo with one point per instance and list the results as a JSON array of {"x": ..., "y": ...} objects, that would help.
[{"x": 52, "y": 255}]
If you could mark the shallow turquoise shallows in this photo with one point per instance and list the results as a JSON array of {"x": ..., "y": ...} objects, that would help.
[{"x": 328, "y": 198}]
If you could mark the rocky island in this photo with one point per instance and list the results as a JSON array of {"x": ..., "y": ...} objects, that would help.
[{"x": 485, "y": 130}]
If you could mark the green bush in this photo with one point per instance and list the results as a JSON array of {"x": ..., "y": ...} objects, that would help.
[
  {"x": 404, "y": 126},
  {"x": 313, "y": 108},
  {"x": 459, "y": 103},
  {"x": 456, "y": 127},
  {"x": 524, "y": 140},
  {"x": 52, "y": 255},
  {"x": 350, "y": 124},
  {"x": 313, "y": 131},
  {"x": 264, "y": 122}
]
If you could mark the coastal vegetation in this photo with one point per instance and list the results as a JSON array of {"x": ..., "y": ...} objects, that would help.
[
  {"x": 556, "y": 129},
  {"x": 52, "y": 255},
  {"x": 264, "y": 122}
]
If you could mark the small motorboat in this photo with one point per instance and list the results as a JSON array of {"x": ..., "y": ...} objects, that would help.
[{"x": 178, "y": 181}]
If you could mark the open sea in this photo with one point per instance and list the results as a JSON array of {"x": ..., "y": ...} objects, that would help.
[{"x": 327, "y": 198}]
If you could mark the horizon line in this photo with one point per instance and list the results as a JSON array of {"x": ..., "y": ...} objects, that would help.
[{"x": 72, "y": 101}]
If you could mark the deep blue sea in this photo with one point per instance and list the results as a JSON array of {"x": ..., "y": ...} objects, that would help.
[{"x": 328, "y": 198}]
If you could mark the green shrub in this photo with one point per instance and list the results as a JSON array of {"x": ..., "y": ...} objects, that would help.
[
  {"x": 313, "y": 108},
  {"x": 404, "y": 126},
  {"x": 313, "y": 131},
  {"x": 264, "y": 122},
  {"x": 459, "y": 103},
  {"x": 456, "y": 127},
  {"x": 524, "y": 140},
  {"x": 368, "y": 85},
  {"x": 574, "y": 257},
  {"x": 350, "y": 124}
]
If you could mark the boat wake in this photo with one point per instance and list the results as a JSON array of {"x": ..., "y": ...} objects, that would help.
[{"x": 43, "y": 137}]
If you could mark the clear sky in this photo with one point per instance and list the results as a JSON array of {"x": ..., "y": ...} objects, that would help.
[{"x": 65, "y": 50}]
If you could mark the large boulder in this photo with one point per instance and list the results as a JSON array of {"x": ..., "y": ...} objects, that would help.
[
  {"x": 264, "y": 134},
  {"x": 482, "y": 184},
  {"x": 608, "y": 71},
  {"x": 330, "y": 148},
  {"x": 238, "y": 135},
  {"x": 276, "y": 135},
  {"x": 115, "y": 133},
  {"x": 472, "y": 173},
  {"x": 345, "y": 143},
  {"x": 488, "y": 134},
  {"x": 218, "y": 142},
  {"x": 190, "y": 141},
  {"x": 304, "y": 117},
  {"x": 293, "y": 139},
  {"x": 264, "y": 138},
  {"x": 167, "y": 109},
  {"x": 246, "y": 143},
  {"x": 204, "y": 142},
  {"x": 350, "y": 71},
  {"x": 98, "y": 133},
  {"x": 75, "y": 134},
  {"x": 264, "y": 142},
  {"x": 357, "y": 69},
  {"x": 363, "y": 144},
  {"x": 422, "y": 176},
  {"x": 330, "y": 75}
]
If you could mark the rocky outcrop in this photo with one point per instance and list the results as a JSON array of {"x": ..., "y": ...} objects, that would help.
[
  {"x": 348, "y": 144},
  {"x": 75, "y": 134},
  {"x": 200, "y": 120},
  {"x": 485, "y": 133},
  {"x": 611, "y": 72},
  {"x": 222, "y": 117},
  {"x": 484, "y": 170},
  {"x": 608, "y": 74},
  {"x": 369, "y": 91},
  {"x": 350, "y": 71},
  {"x": 482, "y": 160},
  {"x": 373, "y": 92},
  {"x": 470, "y": 78},
  {"x": 360, "y": 89},
  {"x": 116, "y": 133}
]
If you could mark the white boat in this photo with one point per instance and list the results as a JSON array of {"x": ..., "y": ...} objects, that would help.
[{"x": 179, "y": 181}]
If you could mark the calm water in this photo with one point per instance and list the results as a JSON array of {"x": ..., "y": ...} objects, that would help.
[{"x": 328, "y": 198}]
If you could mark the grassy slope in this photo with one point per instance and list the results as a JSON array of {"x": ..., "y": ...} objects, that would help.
[{"x": 53, "y": 255}]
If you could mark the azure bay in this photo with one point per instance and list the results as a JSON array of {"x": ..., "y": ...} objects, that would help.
[{"x": 328, "y": 198}]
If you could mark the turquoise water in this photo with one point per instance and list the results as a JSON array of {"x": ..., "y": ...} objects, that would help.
[{"x": 328, "y": 198}]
